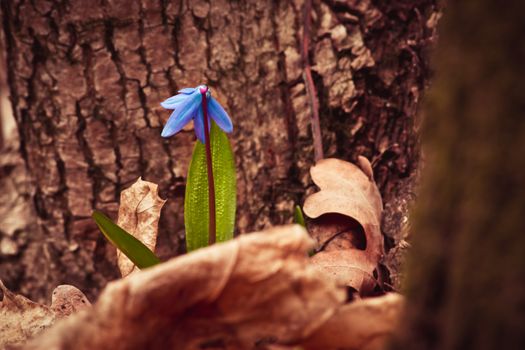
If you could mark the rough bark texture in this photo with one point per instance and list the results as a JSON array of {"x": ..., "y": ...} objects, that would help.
[
  {"x": 86, "y": 80},
  {"x": 465, "y": 286}
]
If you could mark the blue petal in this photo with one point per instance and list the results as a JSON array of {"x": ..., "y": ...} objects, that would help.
[
  {"x": 182, "y": 115},
  {"x": 219, "y": 115},
  {"x": 187, "y": 91},
  {"x": 198, "y": 123},
  {"x": 173, "y": 101}
]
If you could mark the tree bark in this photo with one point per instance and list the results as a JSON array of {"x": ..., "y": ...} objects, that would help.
[
  {"x": 465, "y": 282},
  {"x": 86, "y": 80}
]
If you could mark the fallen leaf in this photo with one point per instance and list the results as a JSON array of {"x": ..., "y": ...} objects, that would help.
[
  {"x": 22, "y": 319},
  {"x": 346, "y": 268},
  {"x": 365, "y": 324},
  {"x": 67, "y": 300},
  {"x": 366, "y": 167},
  {"x": 347, "y": 216},
  {"x": 258, "y": 289},
  {"x": 139, "y": 214}
]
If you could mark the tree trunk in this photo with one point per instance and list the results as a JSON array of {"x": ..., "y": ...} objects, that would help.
[
  {"x": 86, "y": 81},
  {"x": 466, "y": 286}
]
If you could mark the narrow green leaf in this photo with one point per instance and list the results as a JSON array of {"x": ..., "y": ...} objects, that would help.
[
  {"x": 134, "y": 249},
  {"x": 298, "y": 217},
  {"x": 196, "y": 199}
]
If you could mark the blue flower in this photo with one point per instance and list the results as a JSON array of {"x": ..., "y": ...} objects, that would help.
[{"x": 187, "y": 105}]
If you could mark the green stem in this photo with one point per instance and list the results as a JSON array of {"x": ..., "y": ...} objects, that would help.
[{"x": 211, "y": 183}]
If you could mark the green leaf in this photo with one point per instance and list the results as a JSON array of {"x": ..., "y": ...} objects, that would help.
[
  {"x": 298, "y": 217},
  {"x": 134, "y": 249},
  {"x": 196, "y": 199}
]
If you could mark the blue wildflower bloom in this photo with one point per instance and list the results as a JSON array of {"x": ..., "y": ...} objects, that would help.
[{"x": 187, "y": 105}]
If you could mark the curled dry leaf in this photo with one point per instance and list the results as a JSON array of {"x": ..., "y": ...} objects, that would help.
[
  {"x": 139, "y": 214},
  {"x": 256, "y": 289},
  {"x": 22, "y": 319},
  {"x": 364, "y": 324},
  {"x": 347, "y": 216}
]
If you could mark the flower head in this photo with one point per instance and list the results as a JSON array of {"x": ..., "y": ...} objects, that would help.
[{"x": 187, "y": 105}]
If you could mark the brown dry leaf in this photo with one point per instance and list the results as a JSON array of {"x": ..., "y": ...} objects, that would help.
[
  {"x": 254, "y": 290},
  {"x": 22, "y": 319},
  {"x": 347, "y": 216},
  {"x": 139, "y": 214},
  {"x": 67, "y": 300},
  {"x": 364, "y": 324}
]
